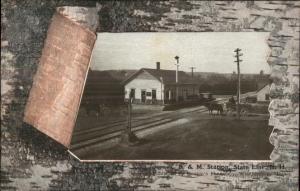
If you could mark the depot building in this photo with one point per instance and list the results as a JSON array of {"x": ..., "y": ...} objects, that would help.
[{"x": 157, "y": 86}]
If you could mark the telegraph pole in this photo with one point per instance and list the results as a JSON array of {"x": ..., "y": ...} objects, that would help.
[
  {"x": 192, "y": 68},
  {"x": 238, "y": 54},
  {"x": 177, "y": 67}
]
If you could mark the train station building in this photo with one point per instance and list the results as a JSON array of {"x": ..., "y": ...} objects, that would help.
[{"x": 158, "y": 86}]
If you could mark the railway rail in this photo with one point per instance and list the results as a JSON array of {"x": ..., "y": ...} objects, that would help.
[{"x": 103, "y": 132}]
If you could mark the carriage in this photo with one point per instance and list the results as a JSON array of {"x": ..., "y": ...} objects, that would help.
[{"x": 244, "y": 108}]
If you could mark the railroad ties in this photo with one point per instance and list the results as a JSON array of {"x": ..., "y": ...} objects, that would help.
[{"x": 106, "y": 134}]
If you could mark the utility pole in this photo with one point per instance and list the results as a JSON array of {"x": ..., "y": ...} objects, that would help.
[
  {"x": 238, "y": 54},
  {"x": 177, "y": 67},
  {"x": 192, "y": 68}
]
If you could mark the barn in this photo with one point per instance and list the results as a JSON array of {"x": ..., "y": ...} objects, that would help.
[{"x": 158, "y": 86}]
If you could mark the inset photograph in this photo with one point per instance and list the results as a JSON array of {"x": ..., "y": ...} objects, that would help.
[{"x": 176, "y": 96}]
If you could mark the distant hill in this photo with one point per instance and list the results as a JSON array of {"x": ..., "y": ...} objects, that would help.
[
  {"x": 119, "y": 75},
  {"x": 226, "y": 83},
  {"x": 207, "y": 75},
  {"x": 108, "y": 82}
]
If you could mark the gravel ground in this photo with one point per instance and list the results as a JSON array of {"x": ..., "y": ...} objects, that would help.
[{"x": 201, "y": 137}]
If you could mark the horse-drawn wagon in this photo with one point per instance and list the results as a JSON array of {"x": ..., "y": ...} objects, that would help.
[{"x": 244, "y": 108}]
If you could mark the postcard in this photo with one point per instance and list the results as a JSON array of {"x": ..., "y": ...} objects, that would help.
[{"x": 165, "y": 95}]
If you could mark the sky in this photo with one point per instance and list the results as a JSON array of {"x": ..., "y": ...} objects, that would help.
[{"x": 206, "y": 51}]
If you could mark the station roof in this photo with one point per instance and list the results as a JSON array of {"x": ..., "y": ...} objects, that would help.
[{"x": 167, "y": 77}]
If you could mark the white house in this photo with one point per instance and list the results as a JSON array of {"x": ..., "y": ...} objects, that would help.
[
  {"x": 157, "y": 86},
  {"x": 263, "y": 94}
]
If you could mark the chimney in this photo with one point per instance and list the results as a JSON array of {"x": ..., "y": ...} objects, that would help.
[{"x": 157, "y": 65}]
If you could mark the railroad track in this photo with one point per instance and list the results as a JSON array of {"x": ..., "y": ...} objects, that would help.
[
  {"x": 98, "y": 134},
  {"x": 102, "y": 132},
  {"x": 103, "y": 126}
]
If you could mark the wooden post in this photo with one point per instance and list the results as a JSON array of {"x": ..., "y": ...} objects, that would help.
[
  {"x": 192, "y": 68},
  {"x": 238, "y": 81},
  {"x": 128, "y": 136},
  {"x": 177, "y": 67},
  {"x": 129, "y": 115},
  {"x": 162, "y": 91},
  {"x": 238, "y": 91}
]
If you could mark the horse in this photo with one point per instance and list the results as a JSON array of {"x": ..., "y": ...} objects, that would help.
[{"x": 214, "y": 106}]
